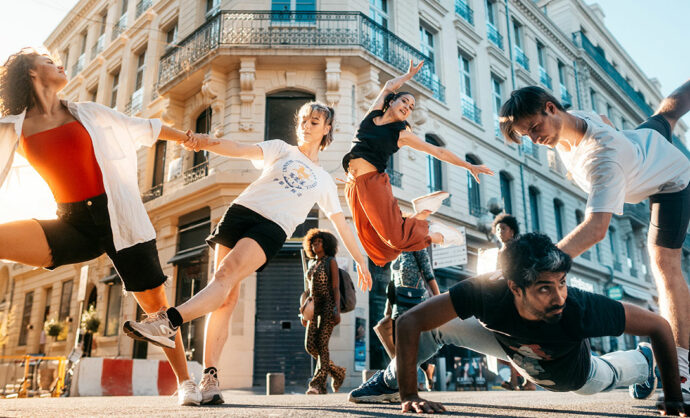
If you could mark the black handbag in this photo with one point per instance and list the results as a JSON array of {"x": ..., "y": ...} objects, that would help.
[{"x": 409, "y": 296}]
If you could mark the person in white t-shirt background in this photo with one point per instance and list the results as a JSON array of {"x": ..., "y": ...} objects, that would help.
[
  {"x": 618, "y": 167},
  {"x": 253, "y": 230}
]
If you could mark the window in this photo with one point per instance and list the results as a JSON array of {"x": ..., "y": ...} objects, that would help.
[
  {"x": 65, "y": 58},
  {"x": 558, "y": 214},
  {"x": 93, "y": 94},
  {"x": 491, "y": 13},
  {"x": 159, "y": 164},
  {"x": 281, "y": 108},
  {"x": 541, "y": 54},
  {"x": 46, "y": 309},
  {"x": 519, "y": 53},
  {"x": 517, "y": 34},
  {"x": 434, "y": 167},
  {"x": 378, "y": 11},
  {"x": 506, "y": 191},
  {"x": 469, "y": 108},
  {"x": 171, "y": 36},
  {"x": 112, "y": 314},
  {"x": 561, "y": 74},
  {"x": 473, "y": 192},
  {"x": 593, "y": 99},
  {"x": 497, "y": 97},
  {"x": 139, "y": 78},
  {"x": 82, "y": 49},
  {"x": 491, "y": 29},
  {"x": 104, "y": 18},
  {"x": 614, "y": 252},
  {"x": 203, "y": 125},
  {"x": 26, "y": 318},
  {"x": 123, "y": 11},
  {"x": 65, "y": 300},
  {"x": 630, "y": 250},
  {"x": 534, "y": 207},
  {"x": 427, "y": 43},
  {"x": 293, "y": 6},
  {"x": 609, "y": 112},
  {"x": 113, "y": 94},
  {"x": 212, "y": 7}
]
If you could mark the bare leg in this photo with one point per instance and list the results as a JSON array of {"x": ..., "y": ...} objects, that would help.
[
  {"x": 217, "y": 322},
  {"x": 674, "y": 296},
  {"x": 676, "y": 104},
  {"x": 25, "y": 242},
  {"x": 240, "y": 262},
  {"x": 154, "y": 300}
]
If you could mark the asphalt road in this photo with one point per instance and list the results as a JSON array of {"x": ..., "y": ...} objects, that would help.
[{"x": 246, "y": 403}]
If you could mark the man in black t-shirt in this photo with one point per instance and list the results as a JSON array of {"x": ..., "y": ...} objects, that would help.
[{"x": 532, "y": 319}]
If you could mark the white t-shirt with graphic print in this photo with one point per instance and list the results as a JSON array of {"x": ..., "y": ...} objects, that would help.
[
  {"x": 617, "y": 167},
  {"x": 288, "y": 187}
]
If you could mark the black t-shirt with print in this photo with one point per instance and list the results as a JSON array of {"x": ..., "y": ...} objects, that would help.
[
  {"x": 375, "y": 143},
  {"x": 555, "y": 356}
]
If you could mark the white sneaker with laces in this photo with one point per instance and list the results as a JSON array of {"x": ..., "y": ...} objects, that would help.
[
  {"x": 155, "y": 328},
  {"x": 451, "y": 236},
  {"x": 210, "y": 389},
  {"x": 188, "y": 393},
  {"x": 431, "y": 202}
]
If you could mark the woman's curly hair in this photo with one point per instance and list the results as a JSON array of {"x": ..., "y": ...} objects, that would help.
[
  {"x": 16, "y": 88},
  {"x": 330, "y": 242}
]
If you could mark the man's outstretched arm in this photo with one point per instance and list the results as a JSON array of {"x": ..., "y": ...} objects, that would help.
[
  {"x": 426, "y": 316},
  {"x": 642, "y": 322},
  {"x": 675, "y": 105},
  {"x": 592, "y": 230}
]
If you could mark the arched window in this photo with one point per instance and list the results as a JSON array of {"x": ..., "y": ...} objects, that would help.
[
  {"x": 473, "y": 192},
  {"x": 506, "y": 191},
  {"x": 558, "y": 215},
  {"x": 203, "y": 125},
  {"x": 434, "y": 167},
  {"x": 281, "y": 108}
]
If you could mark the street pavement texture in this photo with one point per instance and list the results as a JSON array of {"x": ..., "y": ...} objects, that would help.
[{"x": 250, "y": 404}]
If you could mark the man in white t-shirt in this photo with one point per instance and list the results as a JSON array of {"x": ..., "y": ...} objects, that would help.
[{"x": 618, "y": 167}]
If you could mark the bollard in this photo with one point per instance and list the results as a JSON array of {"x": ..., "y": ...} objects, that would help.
[
  {"x": 366, "y": 374},
  {"x": 275, "y": 383}
]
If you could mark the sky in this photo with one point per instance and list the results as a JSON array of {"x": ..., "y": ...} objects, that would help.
[{"x": 655, "y": 34}]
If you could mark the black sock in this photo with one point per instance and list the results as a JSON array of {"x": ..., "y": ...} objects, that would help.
[
  {"x": 174, "y": 317},
  {"x": 212, "y": 370}
]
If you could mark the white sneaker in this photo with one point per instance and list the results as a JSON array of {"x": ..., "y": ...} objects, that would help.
[
  {"x": 188, "y": 393},
  {"x": 210, "y": 389},
  {"x": 451, "y": 236},
  {"x": 155, "y": 328},
  {"x": 431, "y": 201}
]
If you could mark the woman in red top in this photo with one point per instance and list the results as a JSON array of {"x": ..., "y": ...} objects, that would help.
[{"x": 59, "y": 139}]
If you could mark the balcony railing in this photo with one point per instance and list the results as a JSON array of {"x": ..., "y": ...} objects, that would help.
[
  {"x": 493, "y": 35},
  {"x": 521, "y": 58},
  {"x": 98, "y": 46},
  {"x": 395, "y": 177},
  {"x": 142, "y": 6},
  {"x": 566, "y": 98},
  {"x": 195, "y": 173},
  {"x": 596, "y": 54},
  {"x": 153, "y": 193},
  {"x": 464, "y": 11},
  {"x": 135, "y": 102},
  {"x": 79, "y": 65},
  {"x": 545, "y": 78},
  {"x": 240, "y": 29},
  {"x": 476, "y": 209},
  {"x": 119, "y": 27},
  {"x": 471, "y": 111}
]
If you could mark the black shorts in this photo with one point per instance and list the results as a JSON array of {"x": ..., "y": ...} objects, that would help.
[
  {"x": 240, "y": 222},
  {"x": 82, "y": 232},
  {"x": 670, "y": 212}
]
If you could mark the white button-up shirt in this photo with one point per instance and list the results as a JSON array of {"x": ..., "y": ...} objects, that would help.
[{"x": 115, "y": 138}]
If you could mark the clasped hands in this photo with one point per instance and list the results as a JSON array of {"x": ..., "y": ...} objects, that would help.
[{"x": 197, "y": 142}]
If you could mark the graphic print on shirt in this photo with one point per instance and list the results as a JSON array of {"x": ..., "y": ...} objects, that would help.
[
  {"x": 527, "y": 357},
  {"x": 297, "y": 177}
]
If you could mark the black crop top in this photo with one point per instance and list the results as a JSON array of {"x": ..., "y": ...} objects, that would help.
[{"x": 375, "y": 143}]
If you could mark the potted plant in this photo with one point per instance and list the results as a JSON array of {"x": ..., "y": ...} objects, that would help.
[
  {"x": 53, "y": 327},
  {"x": 90, "y": 321}
]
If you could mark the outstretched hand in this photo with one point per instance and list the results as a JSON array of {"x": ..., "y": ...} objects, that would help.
[
  {"x": 363, "y": 278},
  {"x": 197, "y": 142},
  {"x": 476, "y": 170},
  {"x": 422, "y": 406},
  {"x": 414, "y": 69}
]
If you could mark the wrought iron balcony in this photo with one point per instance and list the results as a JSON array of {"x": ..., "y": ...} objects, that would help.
[
  {"x": 464, "y": 11},
  {"x": 597, "y": 55},
  {"x": 471, "y": 111},
  {"x": 544, "y": 77},
  {"x": 284, "y": 30},
  {"x": 476, "y": 209},
  {"x": 119, "y": 27},
  {"x": 566, "y": 98},
  {"x": 493, "y": 35},
  {"x": 79, "y": 65},
  {"x": 135, "y": 102},
  {"x": 395, "y": 177},
  {"x": 195, "y": 173},
  {"x": 153, "y": 193},
  {"x": 521, "y": 58},
  {"x": 98, "y": 46},
  {"x": 142, "y": 6}
]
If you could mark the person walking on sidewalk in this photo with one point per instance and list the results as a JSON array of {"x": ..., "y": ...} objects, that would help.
[
  {"x": 381, "y": 227},
  {"x": 86, "y": 153},
  {"x": 534, "y": 320},
  {"x": 254, "y": 229},
  {"x": 323, "y": 278}
]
